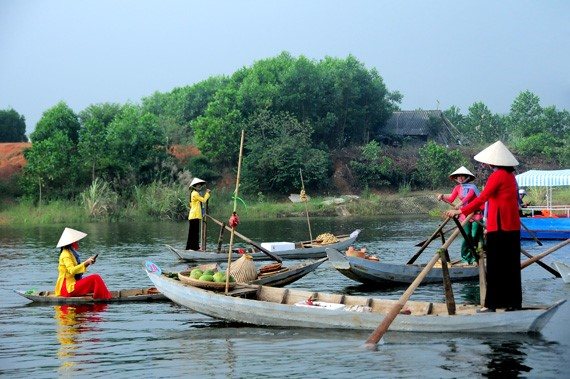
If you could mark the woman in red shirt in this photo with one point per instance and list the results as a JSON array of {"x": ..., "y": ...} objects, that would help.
[
  {"x": 465, "y": 192},
  {"x": 503, "y": 228}
]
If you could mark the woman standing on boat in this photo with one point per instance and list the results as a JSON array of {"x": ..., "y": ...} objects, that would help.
[
  {"x": 70, "y": 280},
  {"x": 503, "y": 228},
  {"x": 466, "y": 192},
  {"x": 195, "y": 215}
]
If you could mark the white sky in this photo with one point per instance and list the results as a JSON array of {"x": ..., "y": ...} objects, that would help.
[{"x": 457, "y": 52}]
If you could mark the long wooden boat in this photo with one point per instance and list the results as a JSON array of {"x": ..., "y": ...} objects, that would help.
[
  {"x": 564, "y": 270},
  {"x": 390, "y": 274},
  {"x": 302, "y": 250},
  {"x": 121, "y": 296},
  {"x": 282, "y": 307},
  {"x": 280, "y": 277}
]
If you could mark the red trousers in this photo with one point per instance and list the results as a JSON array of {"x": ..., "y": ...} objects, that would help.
[{"x": 88, "y": 284}]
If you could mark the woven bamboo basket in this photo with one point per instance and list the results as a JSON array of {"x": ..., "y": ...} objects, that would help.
[
  {"x": 243, "y": 270},
  {"x": 214, "y": 286}
]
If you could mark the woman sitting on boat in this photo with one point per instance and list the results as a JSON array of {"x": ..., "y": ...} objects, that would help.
[
  {"x": 70, "y": 280},
  {"x": 465, "y": 192}
]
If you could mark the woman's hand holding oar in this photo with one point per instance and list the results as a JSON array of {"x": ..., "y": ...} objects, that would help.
[{"x": 395, "y": 310}]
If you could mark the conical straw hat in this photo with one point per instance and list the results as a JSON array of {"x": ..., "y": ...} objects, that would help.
[
  {"x": 462, "y": 171},
  {"x": 243, "y": 270},
  {"x": 497, "y": 155},
  {"x": 70, "y": 236},
  {"x": 196, "y": 181}
]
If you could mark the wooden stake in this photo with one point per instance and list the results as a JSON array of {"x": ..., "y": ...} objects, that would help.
[{"x": 306, "y": 206}]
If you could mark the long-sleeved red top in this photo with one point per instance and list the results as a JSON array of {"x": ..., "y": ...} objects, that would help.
[{"x": 501, "y": 194}]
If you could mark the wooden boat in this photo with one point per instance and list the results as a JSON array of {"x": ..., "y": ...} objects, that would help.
[
  {"x": 564, "y": 270},
  {"x": 278, "y": 278},
  {"x": 291, "y": 308},
  {"x": 546, "y": 221},
  {"x": 302, "y": 250},
  {"x": 377, "y": 272},
  {"x": 545, "y": 228},
  {"x": 121, "y": 296}
]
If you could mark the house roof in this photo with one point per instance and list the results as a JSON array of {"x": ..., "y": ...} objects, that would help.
[{"x": 418, "y": 124}]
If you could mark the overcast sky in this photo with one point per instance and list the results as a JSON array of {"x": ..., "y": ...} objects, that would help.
[{"x": 455, "y": 52}]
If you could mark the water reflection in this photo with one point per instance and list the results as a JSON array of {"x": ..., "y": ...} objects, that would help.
[
  {"x": 506, "y": 360},
  {"x": 72, "y": 320}
]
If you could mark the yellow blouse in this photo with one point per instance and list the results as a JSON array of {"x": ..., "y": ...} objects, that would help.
[
  {"x": 67, "y": 269},
  {"x": 196, "y": 204}
]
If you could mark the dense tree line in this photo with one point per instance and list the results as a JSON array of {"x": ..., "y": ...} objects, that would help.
[
  {"x": 298, "y": 114},
  {"x": 12, "y": 126}
]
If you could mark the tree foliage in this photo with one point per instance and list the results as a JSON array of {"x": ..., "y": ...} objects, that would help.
[
  {"x": 12, "y": 126},
  {"x": 58, "y": 118},
  {"x": 435, "y": 164},
  {"x": 277, "y": 147},
  {"x": 372, "y": 169}
]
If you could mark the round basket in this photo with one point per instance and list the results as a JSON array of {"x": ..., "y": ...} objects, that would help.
[
  {"x": 214, "y": 286},
  {"x": 243, "y": 270}
]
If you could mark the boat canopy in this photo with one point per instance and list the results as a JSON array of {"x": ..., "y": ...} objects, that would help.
[{"x": 544, "y": 178}]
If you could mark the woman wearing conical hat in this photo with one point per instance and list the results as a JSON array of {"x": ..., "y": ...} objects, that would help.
[
  {"x": 195, "y": 215},
  {"x": 503, "y": 228},
  {"x": 70, "y": 279},
  {"x": 466, "y": 192}
]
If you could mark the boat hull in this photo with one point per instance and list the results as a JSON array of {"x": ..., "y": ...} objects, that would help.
[
  {"x": 390, "y": 274},
  {"x": 265, "y": 313},
  {"x": 121, "y": 296},
  {"x": 555, "y": 228},
  {"x": 298, "y": 253}
]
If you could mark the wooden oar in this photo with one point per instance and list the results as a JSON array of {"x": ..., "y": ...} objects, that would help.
[
  {"x": 532, "y": 234},
  {"x": 542, "y": 264},
  {"x": 427, "y": 242},
  {"x": 538, "y": 257},
  {"x": 252, "y": 243},
  {"x": 395, "y": 310}
]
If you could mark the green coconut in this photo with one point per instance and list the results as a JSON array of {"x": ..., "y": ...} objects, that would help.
[
  {"x": 196, "y": 273},
  {"x": 219, "y": 277},
  {"x": 209, "y": 272},
  {"x": 206, "y": 278}
]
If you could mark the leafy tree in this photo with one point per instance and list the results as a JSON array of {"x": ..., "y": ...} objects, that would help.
[
  {"x": 525, "y": 117},
  {"x": 277, "y": 147},
  {"x": 343, "y": 101},
  {"x": 372, "y": 169},
  {"x": 453, "y": 114},
  {"x": 481, "y": 125},
  {"x": 50, "y": 167},
  {"x": 12, "y": 126},
  {"x": 58, "y": 118},
  {"x": 435, "y": 164},
  {"x": 95, "y": 120},
  {"x": 136, "y": 148}
]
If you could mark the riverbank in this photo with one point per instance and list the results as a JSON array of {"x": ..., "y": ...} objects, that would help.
[{"x": 367, "y": 205}]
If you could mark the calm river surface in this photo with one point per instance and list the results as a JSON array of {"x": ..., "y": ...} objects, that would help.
[{"x": 164, "y": 340}]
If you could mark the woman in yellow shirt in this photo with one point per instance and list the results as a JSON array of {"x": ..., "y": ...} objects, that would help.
[
  {"x": 195, "y": 215},
  {"x": 70, "y": 280}
]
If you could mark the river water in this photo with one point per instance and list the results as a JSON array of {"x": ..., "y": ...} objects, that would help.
[{"x": 157, "y": 340}]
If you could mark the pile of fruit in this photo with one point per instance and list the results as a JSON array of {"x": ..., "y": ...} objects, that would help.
[
  {"x": 210, "y": 276},
  {"x": 326, "y": 238}
]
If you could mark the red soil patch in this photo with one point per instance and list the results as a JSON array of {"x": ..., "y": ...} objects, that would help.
[
  {"x": 183, "y": 152},
  {"x": 12, "y": 158}
]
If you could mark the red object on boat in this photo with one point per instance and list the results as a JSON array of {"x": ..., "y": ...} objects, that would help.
[{"x": 234, "y": 220}]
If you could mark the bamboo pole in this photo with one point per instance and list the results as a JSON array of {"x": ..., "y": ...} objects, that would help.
[
  {"x": 542, "y": 264},
  {"x": 235, "y": 208},
  {"x": 538, "y": 257},
  {"x": 482, "y": 275},
  {"x": 395, "y": 310}
]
